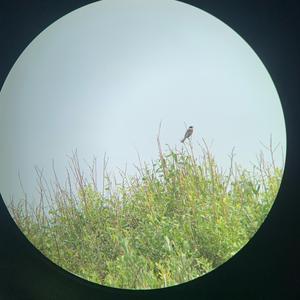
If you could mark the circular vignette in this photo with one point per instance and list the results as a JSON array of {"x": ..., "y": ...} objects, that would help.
[{"x": 87, "y": 78}]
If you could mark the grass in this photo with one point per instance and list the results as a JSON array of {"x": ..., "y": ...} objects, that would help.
[{"x": 180, "y": 217}]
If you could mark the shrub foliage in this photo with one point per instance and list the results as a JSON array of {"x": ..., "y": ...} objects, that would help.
[{"x": 180, "y": 217}]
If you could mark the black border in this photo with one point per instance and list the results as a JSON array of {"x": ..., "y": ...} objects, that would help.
[{"x": 268, "y": 267}]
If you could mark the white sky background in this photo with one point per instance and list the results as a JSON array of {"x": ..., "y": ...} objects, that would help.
[{"x": 100, "y": 80}]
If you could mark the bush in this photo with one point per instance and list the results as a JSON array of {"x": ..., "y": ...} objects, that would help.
[{"x": 177, "y": 219}]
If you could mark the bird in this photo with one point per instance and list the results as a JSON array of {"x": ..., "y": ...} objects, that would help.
[{"x": 188, "y": 133}]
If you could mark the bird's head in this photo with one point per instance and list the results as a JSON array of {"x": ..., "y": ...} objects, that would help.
[{"x": 191, "y": 127}]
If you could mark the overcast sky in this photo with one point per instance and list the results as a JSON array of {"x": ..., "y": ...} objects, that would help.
[{"x": 101, "y": 79}]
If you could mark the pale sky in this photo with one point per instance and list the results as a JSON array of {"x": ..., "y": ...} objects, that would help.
[{"x": 101, "y": 79}]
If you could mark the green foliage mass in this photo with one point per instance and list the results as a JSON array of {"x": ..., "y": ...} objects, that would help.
[{"x": 178, "y": 219}]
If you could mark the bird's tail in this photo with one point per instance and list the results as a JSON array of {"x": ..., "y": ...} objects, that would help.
[{"x": 182, "y": 141}]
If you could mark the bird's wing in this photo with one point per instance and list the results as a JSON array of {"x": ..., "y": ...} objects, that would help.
[{"x": 187, "y": 134}]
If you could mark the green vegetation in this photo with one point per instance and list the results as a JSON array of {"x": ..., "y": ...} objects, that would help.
[{"x": 177, "y": 219}]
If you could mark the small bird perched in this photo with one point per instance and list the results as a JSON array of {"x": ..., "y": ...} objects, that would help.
[{"x": 188, "y": 133}]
